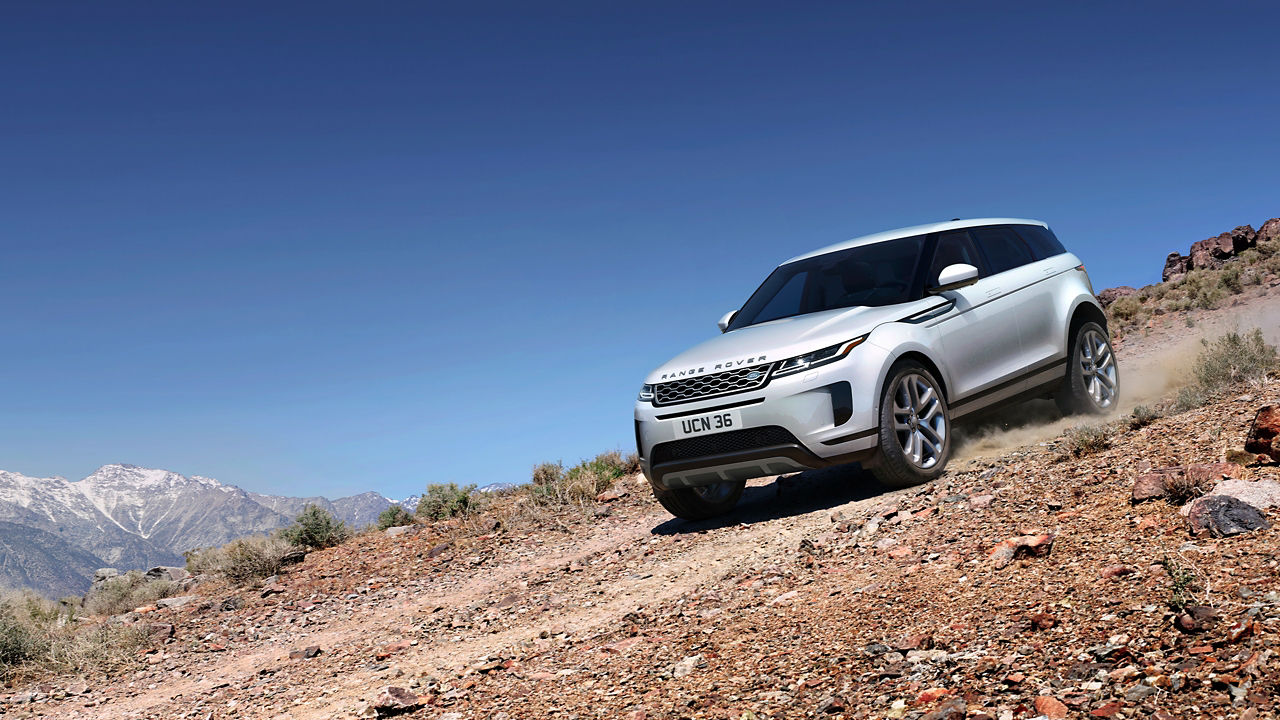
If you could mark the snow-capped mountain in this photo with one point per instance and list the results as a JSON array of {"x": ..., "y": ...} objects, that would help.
[{"x": 126, "y": 517}]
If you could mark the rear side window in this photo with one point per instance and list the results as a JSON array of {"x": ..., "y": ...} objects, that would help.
[
  {"x": 953, "y": 248},
  {"x": 1041, "y": 240},
  {"x": 1002, "y": 248}
]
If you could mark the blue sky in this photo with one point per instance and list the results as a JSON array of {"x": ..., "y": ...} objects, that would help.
[{"x": 322, "y": 248}]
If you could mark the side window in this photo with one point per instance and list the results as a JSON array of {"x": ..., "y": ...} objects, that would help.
[
  {"x": 787, "y": 302},
  {"x": 1041, "y": 240},
  {"x": 1002, "y": 248},
  {"x": 953, "y": 248}
]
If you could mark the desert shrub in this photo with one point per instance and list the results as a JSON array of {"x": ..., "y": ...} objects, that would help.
[
  {"x": 581, "y": 483},
  {"x": 442, "y": 501},
  {"x": 1190, "y": 397},
  {"x": 1183, "y": 583},
  {"x": 548, "y": 473},
  {"x": 1207, "y": 297},
  {"x": 1142, "y": 416},
  {"x": 1229, "y": 279},
  {"x": 631, "y": 464},
  {"x": 1183, "y": 488},
  {"x": 1126, "y": 308},
  {"x": 394, "y": 516},
  {"x": 1234, "y": 357},
  {"x": 316, "y": 529},
  {"x": 1087, "y": 439},
  {"x": 242, "y": 561},
  {"x": 1250, "y": 257},
  {"x": 43, "y": 636},
  {"x": 125, "y": 592}
]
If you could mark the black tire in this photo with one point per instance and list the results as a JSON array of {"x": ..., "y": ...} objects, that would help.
[
  {"x": 1088, "y": 382},
  {"x": 700, "y": 503},
  {"x": 895, "y": 465}
]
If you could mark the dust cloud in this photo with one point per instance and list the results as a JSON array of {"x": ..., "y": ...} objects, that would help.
[{"x": 1151, "y": 368}]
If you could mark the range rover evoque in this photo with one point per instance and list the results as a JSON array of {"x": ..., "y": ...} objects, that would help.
[{"x": 867, "y": 351}]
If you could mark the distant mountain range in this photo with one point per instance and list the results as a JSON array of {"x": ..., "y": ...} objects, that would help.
[{"x": 54, "y": 532}]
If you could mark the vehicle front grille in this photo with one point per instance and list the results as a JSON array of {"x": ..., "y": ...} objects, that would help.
[
  {"x": 721, "y": 444},
  {"x": 713, "y": 385}
]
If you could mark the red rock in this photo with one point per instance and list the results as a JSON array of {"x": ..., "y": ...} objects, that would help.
[
  {"x": 392, "y": 648},
  {"x": 302, "y": 653},
  {"x": 1043, "y": 621},
  {"x": 1113, "y": 572},
  {"x": 1004, "y": 552},
  {"x": 1200, "y": 650},
  {"x": 1269, "y": 232},
  {"x": 1175, "y": 266},
  {"x": 1110, "y": 295},
  {"x": 931, "y": 695},
  {"x": 1105, "y": 711},
  {"x": 1050, "y": 707},
  {"x": 622, "y": 646},
  {"x": 1264, "y": 432},
  {"x": 901, "y": 552},
  {"x": 918, "y": 641},
  {"x": 1149, "y": 486}
]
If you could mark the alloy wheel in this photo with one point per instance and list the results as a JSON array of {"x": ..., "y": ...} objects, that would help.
[
  {"x": 1098, "y": 368},
  {"x": 918, "y": 420}
]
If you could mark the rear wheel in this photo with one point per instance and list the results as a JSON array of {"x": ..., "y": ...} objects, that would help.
[
  {"x": 1092, "y": 384},
  {"x": 915, "y": 427},
  {"x": 702, "y": 502}
]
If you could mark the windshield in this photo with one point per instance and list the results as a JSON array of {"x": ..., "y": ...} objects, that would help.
[{"x": 877, "y": 274}]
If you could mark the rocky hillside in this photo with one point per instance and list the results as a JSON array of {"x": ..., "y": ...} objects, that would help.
[
  {"x": 1124, "y": 571},
  {"x": 127, "y": 517}
]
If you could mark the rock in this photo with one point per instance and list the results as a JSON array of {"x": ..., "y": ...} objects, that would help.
[
  {"x": 953, "y": 708},
  {"x": 173, "y": 602},
  {"x": 1138, "y": 693},
  {"x": 293, "y": 557},
  {"x": 172, "y": 574},
  {"x": 1043, "y": 621},
  {"x": 102, "y": 575},
  {"x": 394, "y": 699},
  {"x": 1197, "y": 618},
  {"x": 1110, "y": 295},
  {"x": 1175, "y": 266},
  {"x": 1212, "y": 252},
  {"x": 918, "y": 641},
  {"x": 1113, "y": 572},
  {"x": 397, "y": 530},
  {"x": 931, "y": 695},
  {"x": 309, "y": 651},
  {"x": 158, "y": 632},
  {"x": 1268, "y": 233},
  {"x": 235, "y": 602},
  {"x": 1106, "y": 710},
  {"x": 438, "y": 550},
  {"x": 686, "y": 666},
  {"x": 980, "y": 501},
  {"x": 1050, "y": 707},
  {"x": 1262, "y": 437},
  {"x": 1149, "y": 486},
  {"x": 617, "y": 492},
  {"x": 1004, "y": 552},
  {"x": 1223, "y": 516},
  {"x": 271, "y": 589},
  {"x": 831, "y": 705},
  {"x": 1262, "y": 494},
  {"x": 392, "y": 648}
]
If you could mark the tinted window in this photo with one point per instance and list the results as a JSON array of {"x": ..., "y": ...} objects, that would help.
[
  {"x": 1002, "y": 248},
  {"x": 1041, "y": 240},
  {"x": 953, "y": 248},
  {"x": 877, "y": 274}
]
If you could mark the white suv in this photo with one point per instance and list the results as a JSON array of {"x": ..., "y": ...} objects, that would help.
[{"x": 867, "y": 351}]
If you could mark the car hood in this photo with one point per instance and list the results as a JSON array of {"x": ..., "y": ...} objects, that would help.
[{"x": 776, "y": 340}]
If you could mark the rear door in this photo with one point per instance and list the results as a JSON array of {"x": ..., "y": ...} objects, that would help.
[{"x": 978, "y": 335}]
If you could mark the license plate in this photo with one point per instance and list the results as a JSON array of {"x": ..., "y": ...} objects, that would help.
[{"x": 715, "y": 422}]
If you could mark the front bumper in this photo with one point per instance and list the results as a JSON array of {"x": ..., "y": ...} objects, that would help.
[{"x": 809, "y": 420}]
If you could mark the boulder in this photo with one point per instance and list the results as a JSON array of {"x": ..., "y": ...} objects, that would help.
[
  {"x": 173, "y": 602},
  {"x": 172, "y": 574},
  {"x": 1175, "y": 266},
  {"x": 1212, "y": 252},
  {"x": 1223, "y": 516},
  {"x": 1268, "y": 233},
  {"x": 1262, "y": 494},
  {"x": 1006, "y": 550},
  {"x": 1110, "y": 295},
  {"x": 102, "y": 575},
  {"x": 1264, "y": 433}
]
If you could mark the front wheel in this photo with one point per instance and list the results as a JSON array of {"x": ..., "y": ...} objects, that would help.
[
  {"x": 915, "y": 427},
  {"x": 702, "y": 502},
  {"x": 1092, "y": 384}
]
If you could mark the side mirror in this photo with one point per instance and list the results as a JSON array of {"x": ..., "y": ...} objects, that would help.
[
  {"x": 954, "y": 277},
  {"x": 723, "y": 322}
]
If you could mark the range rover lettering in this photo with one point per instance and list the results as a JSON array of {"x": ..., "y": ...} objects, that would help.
[{"x": 867, "y": 351}]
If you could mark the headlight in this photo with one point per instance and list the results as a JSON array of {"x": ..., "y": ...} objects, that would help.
[
  {"x": 646, "y": 393},
  {"x": 817, "y": 358}
]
